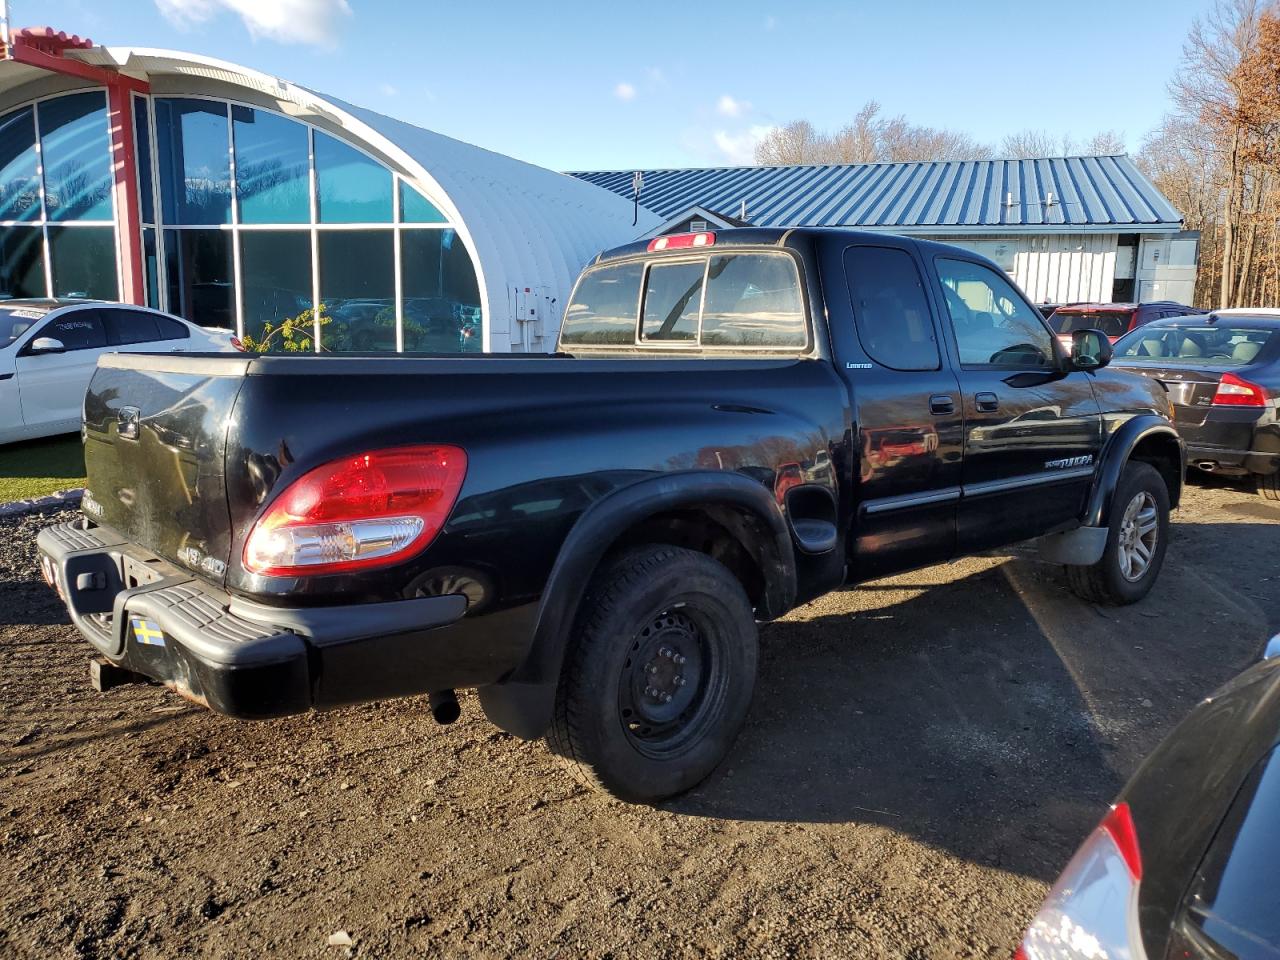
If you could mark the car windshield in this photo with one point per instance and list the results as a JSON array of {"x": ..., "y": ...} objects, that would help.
[
  {"x": 1200, "y": 343},
  {"x": 1111, "y": 322},
  {"x": 15, "y": 321}
]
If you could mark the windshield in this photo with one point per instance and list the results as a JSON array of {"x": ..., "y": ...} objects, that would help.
[
  {"x": 15, "y": 321},
  {"x": 1216, "y": 344},
  {"x": 1110, "y": 322}
]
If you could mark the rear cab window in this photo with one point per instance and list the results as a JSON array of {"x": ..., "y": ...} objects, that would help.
[{"x": 718, "y": 301}]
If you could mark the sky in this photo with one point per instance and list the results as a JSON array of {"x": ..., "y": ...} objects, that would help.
[{"x": 573, "y": 85}]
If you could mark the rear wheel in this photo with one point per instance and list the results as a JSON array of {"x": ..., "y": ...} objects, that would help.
[
  {"x": 1137, "y": 538},
  {"x": 658, "y": 675},
  {"x": 1269, "y": 486}
]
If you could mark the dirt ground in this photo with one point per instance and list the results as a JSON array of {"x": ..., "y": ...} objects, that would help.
[{"x": 922, "y": 756}]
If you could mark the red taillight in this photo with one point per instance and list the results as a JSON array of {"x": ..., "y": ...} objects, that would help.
[
  {"x": 1236, "y": 391},
  {"x": 1119, "y": 824},
  {"x": 238, "y": 344},
  {"x": 679, "y": 240},
  {"x": 361, "y": 511}
]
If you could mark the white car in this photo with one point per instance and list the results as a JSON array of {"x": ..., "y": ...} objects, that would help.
[{"x": 49, "y": 349}]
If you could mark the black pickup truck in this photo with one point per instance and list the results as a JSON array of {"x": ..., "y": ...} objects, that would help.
[{"x": 736, "y": 423}]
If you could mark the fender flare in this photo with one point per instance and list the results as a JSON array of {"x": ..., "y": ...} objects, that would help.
[
  {"x": 522, "y": 704},
  {"x": 1117, "y": 452}
]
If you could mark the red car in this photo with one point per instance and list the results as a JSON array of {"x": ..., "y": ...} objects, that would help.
[{"x": 1114, "y": 319}]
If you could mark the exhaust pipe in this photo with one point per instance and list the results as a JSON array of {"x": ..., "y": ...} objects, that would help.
[
  {"x": 444, "y": 706},
  {"x": 1207, "y": 465}
]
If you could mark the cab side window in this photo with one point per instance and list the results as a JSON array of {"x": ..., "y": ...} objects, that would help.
[
  {"x": 890, "y": 308},
  {"x": 994, "y": 326},
  {"x": 77, "y": 330}
]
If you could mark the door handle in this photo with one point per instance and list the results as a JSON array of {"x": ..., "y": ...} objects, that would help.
[
  {"x": 986, "y": 402},
  {"x": 941, "y": 403}
]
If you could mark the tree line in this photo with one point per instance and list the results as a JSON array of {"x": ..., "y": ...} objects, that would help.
[{"x": 1215, "y": 154}]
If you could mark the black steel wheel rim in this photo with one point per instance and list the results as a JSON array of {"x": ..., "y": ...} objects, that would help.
[{"x": 672, "y": 681}]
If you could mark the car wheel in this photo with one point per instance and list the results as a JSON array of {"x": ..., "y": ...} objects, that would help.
[
  {"x": 1137, "y": 537},
  {"x": 1269, "y": 486},
  {"x": 658, "y": 675}
]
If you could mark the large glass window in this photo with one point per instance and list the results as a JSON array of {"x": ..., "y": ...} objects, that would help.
[
  {"x": 994, "y": 326},
  {"x": 142, "y": 142},
  {"x": 76, "y": 152},
  {"x": 353, "y": 188},
  {"x": 195, "y": 161},
  {"x": 272, "y": 167},
  {"x": 441, "y": 300},
  {"x": 22, "y": 263},
  {"x": 275, "y": 278},
  {"x": 19, "y": 186},
  {"x": 84, "y": 262},
  {"x": 358, "y": 290},
  {"x": 415, "y": 208},
  {"x": 151, "y": 265},
  {"x": 200, "y": 277},
  {"x": 890, "y": 308}
]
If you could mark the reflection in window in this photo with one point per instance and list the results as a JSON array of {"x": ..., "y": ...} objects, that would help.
[
  {"x": 357, "y": 288},
  {"x": 84, "y": 262},
  {"x": 415, "y": 208},
  {"x": 352, "y": 187},
  {"x": 604, "y": 306},
  {"x": 142, "y": 138},
  {"x": 76, "y": 152},
  {"x": 151, "y": 266},
  {"x": 890, "y": 308},
  {"x": 198, "y": 264},
  {"x": 275, "y": 274},
  {"x": 21, "y": 263},
  {"x": 673, "y": 301},
  {"x": 441, "y": 298},
  {"x": 753, "y": 300},
  {"x": 272, "y": 176},
  {"x": 195, "y": 164},
  {"x": 19, "y": 188},
  {"x": 994, "y": 326}
]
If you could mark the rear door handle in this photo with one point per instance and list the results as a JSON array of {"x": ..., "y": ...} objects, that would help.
[
  {"x": 986, "y": 402},
  {"x": 941, "y": 403}
]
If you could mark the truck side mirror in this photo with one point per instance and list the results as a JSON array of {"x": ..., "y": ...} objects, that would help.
[
  {"x": 1090, "y": 350},
  {"x": 46, "y": 345}
]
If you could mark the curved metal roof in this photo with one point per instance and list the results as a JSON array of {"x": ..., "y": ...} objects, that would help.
[
  {"x": 1054, "y": 194},
  {"x": 524, "y": 225}
]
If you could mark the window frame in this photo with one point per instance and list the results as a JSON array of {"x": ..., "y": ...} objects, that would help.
[
  {"x": 693, "y": 347},
  {"x": 1055, "y": 347}
]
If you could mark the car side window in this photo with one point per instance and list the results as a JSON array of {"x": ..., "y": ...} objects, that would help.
[
  {"x": 172, "y": 329},
  {"x": 890, "y": 308},
  {"x": 130, "y": 326},
  {"x": 77, "y": 330},
  {"x": 994, "y": 326}
]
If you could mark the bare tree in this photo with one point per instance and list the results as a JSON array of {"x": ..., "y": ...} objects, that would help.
[
  {"x": 1104, "y": 143},
  {"x": 1027, "y": 144},
  {"x": 797, "y": 142}
]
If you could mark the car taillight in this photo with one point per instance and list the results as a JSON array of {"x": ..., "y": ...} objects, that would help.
[
  {"x": 1236, "y": 391},
  {"x": 679, "y": 240},
  {"x": 360, "y": 511},
  {"x": 1092, "y": 911},
  {"x": 238, "y": 344}
]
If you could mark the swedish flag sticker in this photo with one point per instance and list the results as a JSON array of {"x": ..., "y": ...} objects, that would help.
[{"x": 144, "y": 631}]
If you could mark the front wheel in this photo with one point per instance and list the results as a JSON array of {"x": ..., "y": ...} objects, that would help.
[
  {"x": 658, "y": 675},
  {"x": 1137, "y": 537}
]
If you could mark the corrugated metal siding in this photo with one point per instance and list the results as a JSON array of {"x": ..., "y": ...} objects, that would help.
[
  {"x": 1090, "y": 193},
  {"x": 1052, "y": 268}
]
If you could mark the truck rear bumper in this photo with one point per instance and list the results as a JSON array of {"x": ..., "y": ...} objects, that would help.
[{"x": 250, "y": 660}]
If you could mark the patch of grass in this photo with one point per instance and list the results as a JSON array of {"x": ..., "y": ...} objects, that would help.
[{"x": 35, "y": 468}]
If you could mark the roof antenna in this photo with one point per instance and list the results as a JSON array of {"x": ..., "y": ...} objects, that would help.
[
  {"x": 742, "y": 210},
  {"x": 637, "y": 184}
]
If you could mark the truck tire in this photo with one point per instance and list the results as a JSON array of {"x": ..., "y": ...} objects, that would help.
[
  {"x": 658, "y": 675},
  {"x": 1137, "y": 537}
]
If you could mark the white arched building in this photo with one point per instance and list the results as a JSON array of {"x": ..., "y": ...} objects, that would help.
[{"x": 238, "y": 199}]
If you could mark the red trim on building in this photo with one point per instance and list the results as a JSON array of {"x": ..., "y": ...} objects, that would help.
[{"x": 43, "y": 47}]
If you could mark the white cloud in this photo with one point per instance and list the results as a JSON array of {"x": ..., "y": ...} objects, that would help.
[
  {"x": 727, "y": 106},
  {"x": 288, "y": 21},
  {"x": 740, "y": 148},
  {"x": 624, "y": 91}
]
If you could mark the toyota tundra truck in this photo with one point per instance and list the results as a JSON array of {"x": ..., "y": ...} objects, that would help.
[{"x": 734, "y": 424}]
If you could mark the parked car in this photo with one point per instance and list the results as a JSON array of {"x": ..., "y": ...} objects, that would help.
[
  {"x": 590, "y": 538},
  {"x": 1114, "y": 319},
  {"x": 49, "y": 349},
  {"x": 1223, "y": 373},
  {"x": 1184, "y": 863}
]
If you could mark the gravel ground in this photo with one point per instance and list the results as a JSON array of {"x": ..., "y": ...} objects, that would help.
[{"x": 922, "y": 756}]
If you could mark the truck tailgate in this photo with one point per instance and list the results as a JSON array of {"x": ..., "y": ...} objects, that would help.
[{"x": 155, "y": 429}]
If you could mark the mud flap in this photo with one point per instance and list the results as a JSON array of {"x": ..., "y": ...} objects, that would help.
[{"x": 1081, "y": 547}]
